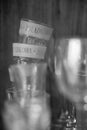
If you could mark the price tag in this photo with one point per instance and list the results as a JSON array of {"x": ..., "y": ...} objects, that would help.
[
  {"x": 30, "y": 28},
  {"x": 29, "y": 51}
]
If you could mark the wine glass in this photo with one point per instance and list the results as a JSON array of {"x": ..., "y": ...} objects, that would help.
[
  {"x": 70, "y": 63},
  {"x": 71, "y": 70}
]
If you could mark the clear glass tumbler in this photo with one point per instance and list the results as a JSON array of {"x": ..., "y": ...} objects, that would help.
[{"x": 28, "y": 103}]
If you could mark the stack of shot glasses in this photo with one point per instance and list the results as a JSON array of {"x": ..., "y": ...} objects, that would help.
[{"x": 28, "y": 74}]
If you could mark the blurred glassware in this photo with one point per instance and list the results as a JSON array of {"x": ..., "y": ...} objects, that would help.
[
  {"x": 70, "y": 61},
  {"x": 28, "y": 79},
  {"x": 70, "y": 64},
  {"x": 28, "y": 97}
]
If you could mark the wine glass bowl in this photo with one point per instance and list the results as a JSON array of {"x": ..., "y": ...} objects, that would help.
[{"x": 70, "y": 61}]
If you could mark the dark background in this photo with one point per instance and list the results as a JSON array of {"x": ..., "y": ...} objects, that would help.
[{"x": 67, "y": 17}]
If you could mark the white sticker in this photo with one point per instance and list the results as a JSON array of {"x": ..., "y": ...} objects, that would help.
[
  {"x": 35, "y": 30},
  {"x": 30, "y": 51}
]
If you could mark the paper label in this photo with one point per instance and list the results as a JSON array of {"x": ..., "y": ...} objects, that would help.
[
  {"x": 35, "y": 30},
  {"x": 30, "y": 51}
]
